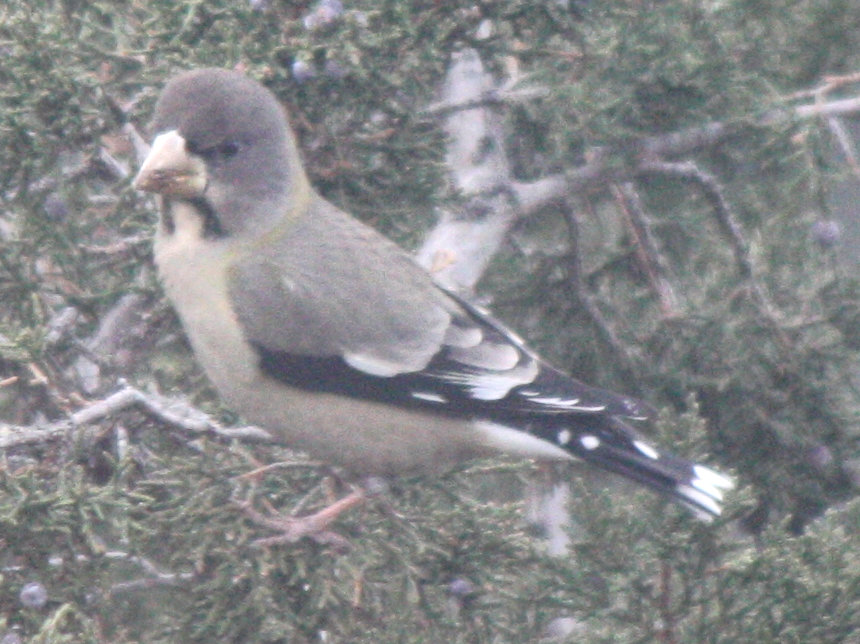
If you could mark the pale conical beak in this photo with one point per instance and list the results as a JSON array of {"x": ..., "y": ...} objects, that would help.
[{"x": 170, "y": 170}]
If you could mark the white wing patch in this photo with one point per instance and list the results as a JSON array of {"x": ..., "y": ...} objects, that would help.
[
  {"x": 373, "y": 365},
  {"x": 492, "y": 386},
  {"x": 555, "y": 401},
  {"x": 646, "y": 449},
  {"x": 463, "y": 338},
  {"x": 429, "y": 396},
  {"x": 571, "y": 404}
]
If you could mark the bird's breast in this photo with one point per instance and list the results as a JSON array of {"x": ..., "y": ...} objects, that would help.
[{"x": 194, "y": 272}]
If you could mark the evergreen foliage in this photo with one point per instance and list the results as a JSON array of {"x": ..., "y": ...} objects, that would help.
[{"x": 743, "y": 325}]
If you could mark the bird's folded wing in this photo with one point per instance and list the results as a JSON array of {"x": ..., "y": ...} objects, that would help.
[{"x": 346, "y": 311}]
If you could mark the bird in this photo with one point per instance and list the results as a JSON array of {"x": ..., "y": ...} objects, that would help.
[{"x": 321, "y": 330}]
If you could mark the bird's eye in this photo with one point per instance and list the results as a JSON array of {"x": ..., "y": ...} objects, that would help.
[
  {"x": 225, "y": 150},
  {"x": 228, "y": 149}
]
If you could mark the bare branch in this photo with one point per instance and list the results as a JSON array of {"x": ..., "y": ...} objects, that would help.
[
  {"x": 830, "y": 84},
  {"x": 101, "y": 348},
  {"x": 653, "y": 263},
  {"x": 174, "y": 413},
  {"x": 155, "y": 576},
  {"x": 585, "y": 300},
  {"x": 461, "y": 245},
  {"x": 713, "y": 192},
  {"x": 731, "y": 228},
  {"x": 598, "y": 171},
  {"x": 459, "y": 248},
  {"x": 488, "y": 98},
  {"x": 833, "y": 108},
  {"x": 180, "y": 415},
  {"x": 843, "y": 140}
]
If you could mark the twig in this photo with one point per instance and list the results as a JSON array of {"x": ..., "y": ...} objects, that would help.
[
  {"x": 110, "y": 335},
  {"x": 141, "y": 147},
  {"x": 713, "y": 192},
  {"x": 841, "y": 107},
  {"x": 667, "y": 631},
  {"x": 728, "y": 222},
  {"x": 487, "y": 98},
  {"x": 60, "y": 326},
  {"x": 175, "y": 413},
  {"x": 689, "y": 140},
  {"x": 830, "y": 83},
  {"x": 843, "y": 139},
  {"x": 600, "y": 170},
  {"x": 585, "y": 300},
  {"x": 113, "y": 167},
  {"x": 652, "y": 262},
  {"x": 155, "y": 576},
  {"x": 121, "y": 246},
  {"x": 181, "y": 415}
]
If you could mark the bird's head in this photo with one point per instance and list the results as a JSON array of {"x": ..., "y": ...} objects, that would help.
[{"x": 222, "y": 141}]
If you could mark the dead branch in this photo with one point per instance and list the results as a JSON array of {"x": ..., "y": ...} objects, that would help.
[
  {"x": 600, "y": 170},
  {"x": 176, "y": 414},
  {"x": 713, "y": 193},
  {"x": 732, "y": 229},
  {"x": 592, "y": 311},
  {"x": 653, "y": 264}
]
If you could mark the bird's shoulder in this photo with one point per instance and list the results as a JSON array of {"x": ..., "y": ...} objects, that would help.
[{"x": 327, "y": 284}]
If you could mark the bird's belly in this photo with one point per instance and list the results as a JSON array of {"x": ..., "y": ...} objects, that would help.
[{"x": 362, "y": 436}]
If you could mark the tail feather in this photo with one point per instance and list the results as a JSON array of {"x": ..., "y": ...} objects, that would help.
[{"x": 612, "y": 445}]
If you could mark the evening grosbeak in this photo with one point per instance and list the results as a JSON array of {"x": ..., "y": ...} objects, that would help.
[{"x": 316, "y": 327}]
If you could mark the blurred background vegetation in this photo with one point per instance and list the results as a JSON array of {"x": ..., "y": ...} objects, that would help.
[{"x": 718, "y": 283}]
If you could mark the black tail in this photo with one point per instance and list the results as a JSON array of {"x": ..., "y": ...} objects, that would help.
[{"x": 611, "y": 444}]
